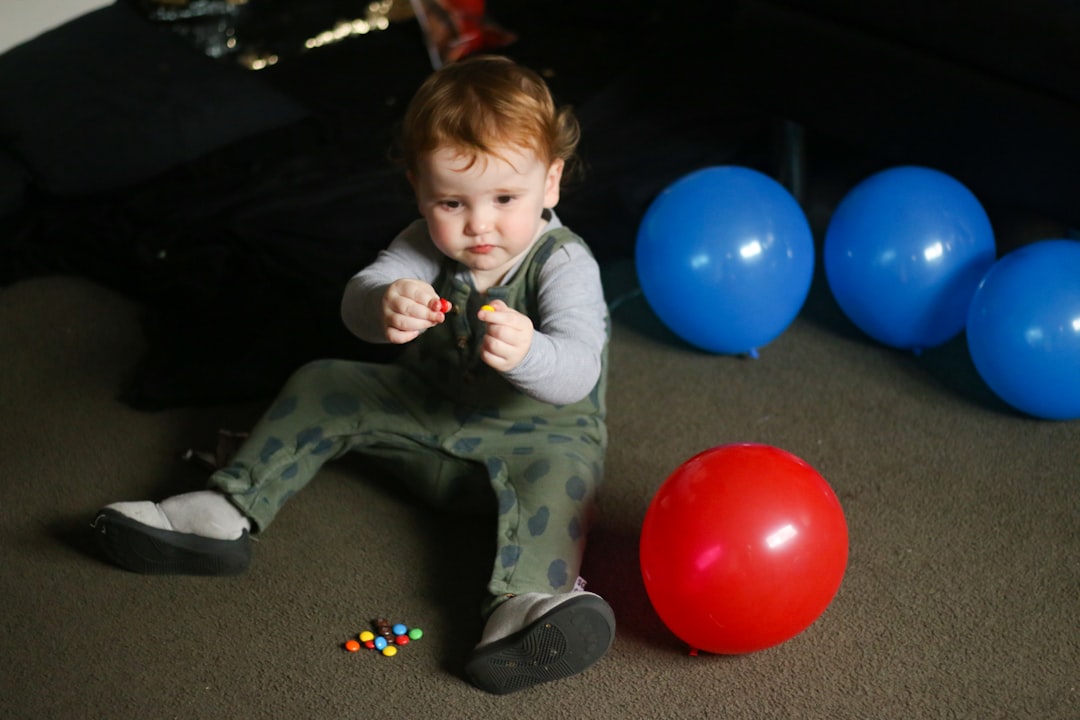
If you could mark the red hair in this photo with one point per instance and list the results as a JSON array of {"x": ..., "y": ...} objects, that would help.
[{"x": 483, "y": 103}]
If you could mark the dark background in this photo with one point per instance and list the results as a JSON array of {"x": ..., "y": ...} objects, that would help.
[{"x": 234, "y": 204}]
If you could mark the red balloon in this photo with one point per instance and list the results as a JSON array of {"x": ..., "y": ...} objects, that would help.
[{"x": 743, "y": 547}]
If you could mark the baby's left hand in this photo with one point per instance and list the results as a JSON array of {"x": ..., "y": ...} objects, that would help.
[{"x": 509, "y": 336}]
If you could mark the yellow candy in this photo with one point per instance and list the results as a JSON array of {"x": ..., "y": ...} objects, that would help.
[
  {"x": 366, "y": 636},
  {"x": 488, "y": 308},
  {"x": 389, "y": 651}
]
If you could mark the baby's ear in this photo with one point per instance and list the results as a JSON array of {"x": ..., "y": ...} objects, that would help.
[{"x": 553, "y": 182}]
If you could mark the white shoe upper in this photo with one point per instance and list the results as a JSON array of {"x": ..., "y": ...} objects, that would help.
[
  {"x": 521, "y": 611},
  {"x": 206, "y": 513},
  {"x": 143, "y": 511}
]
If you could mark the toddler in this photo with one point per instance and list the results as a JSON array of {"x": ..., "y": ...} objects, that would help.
[{"x": 496, "y": 402}]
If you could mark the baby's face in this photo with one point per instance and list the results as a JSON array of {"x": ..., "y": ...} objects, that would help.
[{"x": 486, "y": 215}]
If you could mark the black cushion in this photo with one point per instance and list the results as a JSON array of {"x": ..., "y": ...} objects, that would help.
[{"x": 109, "y": 99}]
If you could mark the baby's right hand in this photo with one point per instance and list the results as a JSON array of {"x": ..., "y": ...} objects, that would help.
[{"x": 409, "y": 308}]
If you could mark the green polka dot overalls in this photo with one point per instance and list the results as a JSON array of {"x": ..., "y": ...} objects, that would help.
[{"x": 457, "y": 433}]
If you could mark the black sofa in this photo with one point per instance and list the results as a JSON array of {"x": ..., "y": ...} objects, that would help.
[
  {"x": 219, "y": 197},
  {"x": 986, "y": 90}
]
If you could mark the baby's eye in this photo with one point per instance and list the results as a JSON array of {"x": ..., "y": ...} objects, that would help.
[
  {"x": 504, "y": 199},
  {"x": 450, "y": 204}
]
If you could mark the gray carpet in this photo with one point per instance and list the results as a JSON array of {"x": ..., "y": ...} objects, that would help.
[{"x": 961, "y": 597}]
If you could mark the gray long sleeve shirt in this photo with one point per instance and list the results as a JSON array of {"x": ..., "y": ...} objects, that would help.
[{"x": 564, "y": 361}]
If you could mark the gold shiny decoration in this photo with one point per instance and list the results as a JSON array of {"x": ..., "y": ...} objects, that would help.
[
  {"x": 375, "y": 18},
  {"x": 258, "y": 62}
]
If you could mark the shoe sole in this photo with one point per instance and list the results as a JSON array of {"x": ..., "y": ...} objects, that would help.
[
  {"x": 144, "y": 549},
  {"x": 564, "y": 642}
]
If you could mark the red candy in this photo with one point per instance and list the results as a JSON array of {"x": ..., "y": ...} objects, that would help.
[
  {"x": 444, "y": 305},
  {"x": 402, "y": 640}
]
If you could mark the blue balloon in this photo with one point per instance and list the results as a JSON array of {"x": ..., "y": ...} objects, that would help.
[
  {"x": 725, "y": 257},
  {"x": 904, "y": 251},
  {"x": 1023, "y": 329}
]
